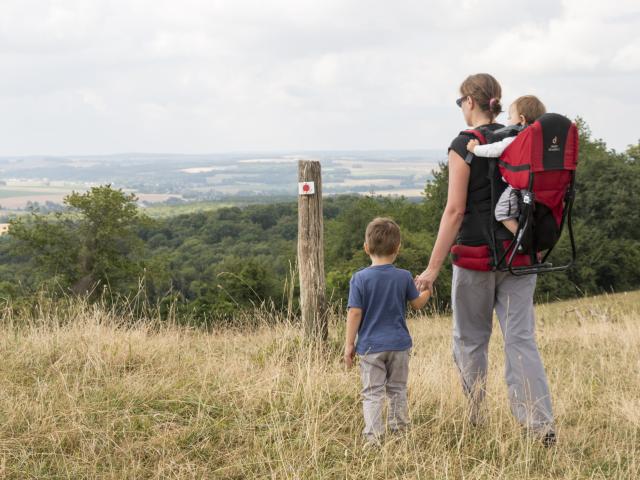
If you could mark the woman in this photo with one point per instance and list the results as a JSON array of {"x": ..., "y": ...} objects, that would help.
[{"x": 476, "y": 293}]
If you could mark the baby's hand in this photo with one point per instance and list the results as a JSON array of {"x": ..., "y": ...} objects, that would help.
[{"x": 472, "y": 145}]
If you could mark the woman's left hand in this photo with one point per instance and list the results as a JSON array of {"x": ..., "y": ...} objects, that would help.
[{"x": 426, "y": 279}]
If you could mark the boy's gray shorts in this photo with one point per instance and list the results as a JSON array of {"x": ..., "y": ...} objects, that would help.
[{"x": 507, "y": 206}]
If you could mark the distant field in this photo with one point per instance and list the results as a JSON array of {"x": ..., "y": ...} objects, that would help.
[
  {"x": 17, "y": 195},
  {"x": 95, "y": 395},
  {"x": 233, "y": 176},
  {"x": 17, "y": 191},
  {"x": 21, "y": 201},
  {"x": 161, "y": 211},
  {"x": 6, "y": 193}
]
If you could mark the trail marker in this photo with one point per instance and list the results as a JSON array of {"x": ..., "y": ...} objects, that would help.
[{"x": 306, "y": 188}]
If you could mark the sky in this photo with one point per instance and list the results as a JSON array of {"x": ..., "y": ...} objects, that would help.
[{"x": 205, "y": 76}]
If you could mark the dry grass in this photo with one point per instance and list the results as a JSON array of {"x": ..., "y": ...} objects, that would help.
[{"x": 89, "y": 398}]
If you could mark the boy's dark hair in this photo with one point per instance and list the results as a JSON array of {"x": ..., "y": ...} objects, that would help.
[
  {"x": 530, "y": 107},
  {"x": 382, "y": 236}
]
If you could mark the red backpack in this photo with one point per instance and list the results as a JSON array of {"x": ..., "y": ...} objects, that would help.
[{"x": 540, "y": 163}]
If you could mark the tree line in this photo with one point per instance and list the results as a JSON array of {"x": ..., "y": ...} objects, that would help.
[{"x": 208, "y": 265}]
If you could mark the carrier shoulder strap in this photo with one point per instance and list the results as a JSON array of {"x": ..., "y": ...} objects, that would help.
[
  {"x": 504, "y": 132},
  {"x": 476, "y": 133}
]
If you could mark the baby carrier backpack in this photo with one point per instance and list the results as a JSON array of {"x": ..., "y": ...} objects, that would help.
[{"x": 540, "y": 163}]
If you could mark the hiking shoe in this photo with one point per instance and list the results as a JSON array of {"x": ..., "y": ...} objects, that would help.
[
  {"x": 549, "y": 439},
  {"x": 372, "y": 441},
  {"x": 371, "y": 444}
]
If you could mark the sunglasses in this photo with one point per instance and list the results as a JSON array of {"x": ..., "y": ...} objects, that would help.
[{"x": 460, "y": 100}]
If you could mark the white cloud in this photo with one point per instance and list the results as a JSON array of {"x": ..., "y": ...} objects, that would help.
[
  {"x": 215, "y": 75},
  {"x": 581, "y": 39},
  {"x": 627, "y": 58}
]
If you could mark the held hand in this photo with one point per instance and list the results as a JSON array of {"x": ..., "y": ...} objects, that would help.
[
  {"x": 349, "y": 355},
  {"x": 425, "y": 280},
  {"x": 472, "y": 145}
]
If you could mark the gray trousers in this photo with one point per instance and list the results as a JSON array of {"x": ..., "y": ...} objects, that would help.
[
  {"x": 474, "y": 296},
  {"x": 507, "y": 206},
  {"x": 384, "y": 373}
]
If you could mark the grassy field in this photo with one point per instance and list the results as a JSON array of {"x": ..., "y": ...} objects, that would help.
[{"x": 83, "y": 396}]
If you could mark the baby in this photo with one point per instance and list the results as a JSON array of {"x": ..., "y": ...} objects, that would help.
[{"x": 522, "y": 112}]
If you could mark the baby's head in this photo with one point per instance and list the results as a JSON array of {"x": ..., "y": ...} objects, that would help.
[
  {"x": 525, "y": 110},
  {"x": 382, "y": 238}
]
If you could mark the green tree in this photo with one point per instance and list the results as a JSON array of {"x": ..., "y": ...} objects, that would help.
[
  {"x": 607, "y": 186},
  {"x": 435, "y": 197},
  {"x": 94, "y": 243},
  {"x": 633, "y": 151},
  {"x": 49, "y": 244}
]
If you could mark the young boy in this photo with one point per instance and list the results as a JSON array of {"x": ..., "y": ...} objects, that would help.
[
  {"x": 378, "y": 298},
  {"x": 522, "y": 113}
]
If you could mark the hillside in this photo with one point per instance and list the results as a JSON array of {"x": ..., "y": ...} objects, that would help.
[
  {"x": 208, "y": 260},
  {"x": 82, "y": 396}
]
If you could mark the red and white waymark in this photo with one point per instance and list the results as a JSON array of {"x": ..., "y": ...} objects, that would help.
[{"x": 306, "y": 188}]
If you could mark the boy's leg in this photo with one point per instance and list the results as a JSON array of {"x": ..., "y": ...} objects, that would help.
[
  {"x": 525, "y": 375},
  {"x": 397, "y": 375},
  {"x": 373, "y": 371}
]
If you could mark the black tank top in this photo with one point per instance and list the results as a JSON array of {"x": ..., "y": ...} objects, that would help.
[{"x": 478, "y": 218}]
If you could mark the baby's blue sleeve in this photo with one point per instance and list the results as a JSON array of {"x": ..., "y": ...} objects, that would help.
[
  {"x": 412, "y": 291},
  {"x": 355, "y": 293}
]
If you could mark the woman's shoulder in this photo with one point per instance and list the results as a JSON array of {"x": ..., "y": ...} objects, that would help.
[
  {"x": 462, "y": 136},
  {"x": 459, "y": 143}
]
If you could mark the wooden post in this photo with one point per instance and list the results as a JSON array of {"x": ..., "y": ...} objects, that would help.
[{"x": 311, "y": 250}]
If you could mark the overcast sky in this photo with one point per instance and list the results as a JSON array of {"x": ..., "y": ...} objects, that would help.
[{"x": 200, "y": 76}]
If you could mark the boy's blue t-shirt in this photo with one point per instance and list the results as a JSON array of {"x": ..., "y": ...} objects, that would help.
[{"x": 382, "y": 292}]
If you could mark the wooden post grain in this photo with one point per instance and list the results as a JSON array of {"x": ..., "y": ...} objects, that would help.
[{"x": 311, "y": 253}]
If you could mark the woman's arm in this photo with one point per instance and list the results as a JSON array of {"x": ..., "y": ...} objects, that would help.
[{"x": 451, "y": 219}]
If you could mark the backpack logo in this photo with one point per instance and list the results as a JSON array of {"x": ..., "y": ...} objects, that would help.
[{"x": 554, "y": 147}]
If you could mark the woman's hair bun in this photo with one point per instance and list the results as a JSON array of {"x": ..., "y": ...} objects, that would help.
[{"x": 494, "y": 106}]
